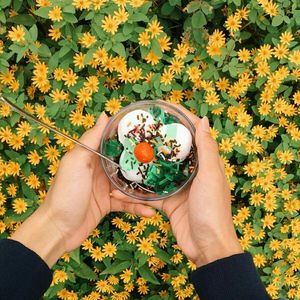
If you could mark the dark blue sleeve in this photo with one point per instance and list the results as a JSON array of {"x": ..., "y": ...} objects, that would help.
[
  {"x": 23, "y": 274},
  {"x": 231, "y": 278}
]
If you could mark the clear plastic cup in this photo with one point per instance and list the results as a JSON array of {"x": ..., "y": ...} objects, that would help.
[{"x": 112, "y": 171}]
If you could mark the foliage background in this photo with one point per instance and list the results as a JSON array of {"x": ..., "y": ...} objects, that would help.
[{"x": 235, "y": 61}]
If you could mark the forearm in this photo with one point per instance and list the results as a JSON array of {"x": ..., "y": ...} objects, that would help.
[{"x": 39, "y": 234}]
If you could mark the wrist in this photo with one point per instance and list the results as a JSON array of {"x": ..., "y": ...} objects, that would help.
[
  {"x": 219, "y": 249},
  {"x": 39, "y": 234}
]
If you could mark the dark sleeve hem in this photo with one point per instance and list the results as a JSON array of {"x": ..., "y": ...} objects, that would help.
[
  {"x": 231, "y": 278},
  {"x": 23, "y": 273}
]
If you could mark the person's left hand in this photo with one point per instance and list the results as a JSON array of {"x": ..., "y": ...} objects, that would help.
[{"x": 77, "y": 200}]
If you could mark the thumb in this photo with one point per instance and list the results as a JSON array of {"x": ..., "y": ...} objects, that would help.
[
  {"x": 92, "y": 137},
  {"x": 207, "y": 148}
]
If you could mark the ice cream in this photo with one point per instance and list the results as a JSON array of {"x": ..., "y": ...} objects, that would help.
[
  {"x": 138, "y": 132},
  {"x": 134, "y": 120}
]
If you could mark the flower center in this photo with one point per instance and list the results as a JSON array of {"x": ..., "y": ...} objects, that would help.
[{"x": 144, "y": 152}]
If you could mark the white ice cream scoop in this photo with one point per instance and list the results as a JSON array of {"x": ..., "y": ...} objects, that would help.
[
  {"x": 182, "y": 137},
  {"x": 135, "y": 119},
  {"x": 132, "y": 174}
]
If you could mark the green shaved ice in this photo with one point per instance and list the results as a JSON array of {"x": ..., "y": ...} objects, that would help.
[
  {"x": 129, "y": 144},
  {"x": 164, "y": 176},
  {"x": 128, "y": 162},
  {"x": 170, "y": 119},
  {"x": 157, "y": 113},
  {"x": 171, "y": 131},
  {"x": 113, "y": 148}
]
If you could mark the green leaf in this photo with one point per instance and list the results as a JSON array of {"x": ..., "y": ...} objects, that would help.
[
  {"x": 43, "y": 12},
  {"x": 297, "y": 16},
  {"x": 26, "y": 20},
  {"x": 198, "y": 19},
  {"x": 69, "y": 18},
  {"x": 193, "y": 6},
  {"x": 277, "y": 20},
  {"x": 4, "y": 3},
  {"x": 146, "y": 273},
  {"x": 163, "y": 255},
  {"x": 84, "y": 271},
  {"x": 138, "y": 88},
  {"x": 33, "y": 33},
  {"x": 75, "y": 255},
  {"x": 117, "y": 267},
  {"x": 155, "y": 47},
  {"x": 203, "y": 109},
  {"x": 2, "y": 17},
  {"x": 28, "y": 192},
  {"x": 119, "y": 49}
]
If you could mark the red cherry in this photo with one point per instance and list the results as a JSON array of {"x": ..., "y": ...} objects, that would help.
[{"x": 144, "y": 152}]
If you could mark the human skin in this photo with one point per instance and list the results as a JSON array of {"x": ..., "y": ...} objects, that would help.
[
  {"x": 80, "y": 197},
  {"x": 200, "y": 216},
  {"x": 76, "y": 202}
]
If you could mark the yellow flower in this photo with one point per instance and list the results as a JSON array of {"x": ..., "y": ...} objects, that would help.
[
  {"x": 16, "y": 142},
  {"x": 121, "y": 15},
  {"x": 113, "y": 106},
  {"x": 265, "y": 52},
  {"x": 154, "y": 28},
  {"x": 33, "y": 181},
  {"x": 17, "y": 34},
  {"x": 109, "y": 249},
  {"x": 244, "y": 55},
  {"x": 152, "y": 58},
  {"x": 212, "y": 98},
  {"x": 146, "y": 247},
  {"x": 167, "y": 76},
  {"x": 54, "y": 33},
  {"x": 96, "y": 253},
  {"x": 280, "y": 51},
  {"x": 19, "y": 206},
  {"x": 286, "y": 38},
  {"x": 82, "y": 4},
  {"x": 164, "y": 43},
  {"x": 110, "y": 24},
  {"x": 295, "y": 57},
  {"x": 87, "y": 40},
  {"x": 268, "y": 221},
  {"x": 34, "y": 158},
  {"x": 259, "y": 260},
  {"x": 12, "y": 190},
  {"x": 126, "y": 275},
  {"x": 233, "y": 23},
  {"x": 144, "y": 38},
  {"x": 285, "y": 157},
  {"x": 55, "y": 14},
  {"x": 69, "y": 77},
  {"x": 51, "y": 153},
  {"x": 217, "y": 38},
  {"x": 181, "y": 51},
  {"x": 78, "y": 60}
]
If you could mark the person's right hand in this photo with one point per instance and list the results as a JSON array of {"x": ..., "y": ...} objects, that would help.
[{"x": 200, "y": 216}]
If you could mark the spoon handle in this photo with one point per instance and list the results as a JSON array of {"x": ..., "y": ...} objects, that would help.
[{"x": 36, "y": 120}]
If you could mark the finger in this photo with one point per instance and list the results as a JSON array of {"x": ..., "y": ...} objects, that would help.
[
  {"x": 222, "y": 165},
  {"x": 132, "y": 208},
  {"x": 92, "y": 137},
  {"x": 207, "y": 148},
  {"x": 124, "y": 198}
]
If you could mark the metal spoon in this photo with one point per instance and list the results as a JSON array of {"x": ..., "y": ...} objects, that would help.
[{"x": 36, "y": 120}]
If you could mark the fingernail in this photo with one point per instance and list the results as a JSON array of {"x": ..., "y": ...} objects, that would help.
[
  {"x": 204, "y": 124},
  {"x": 103, "y": 114}
]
